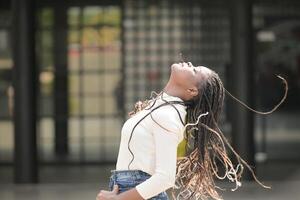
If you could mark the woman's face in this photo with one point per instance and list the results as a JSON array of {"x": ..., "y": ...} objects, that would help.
[{"x": 186, "y": 75}]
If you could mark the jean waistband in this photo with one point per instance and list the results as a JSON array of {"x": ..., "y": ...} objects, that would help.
[{"x": 131, "y": 172}]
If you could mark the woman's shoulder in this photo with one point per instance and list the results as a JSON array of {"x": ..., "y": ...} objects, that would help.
[{"x": 170, "y": 114}]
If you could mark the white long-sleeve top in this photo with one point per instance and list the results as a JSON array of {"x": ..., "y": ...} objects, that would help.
[{"x": 154, "y": 146}]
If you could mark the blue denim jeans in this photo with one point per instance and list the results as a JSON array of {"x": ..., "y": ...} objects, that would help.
[{"x": 127, "y": 179}]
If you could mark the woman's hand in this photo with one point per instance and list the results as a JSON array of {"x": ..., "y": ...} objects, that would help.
[{"x": 108, "y": 195}]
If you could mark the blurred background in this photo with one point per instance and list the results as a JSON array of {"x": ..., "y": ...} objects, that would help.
[{"x": 72, "y": 70}]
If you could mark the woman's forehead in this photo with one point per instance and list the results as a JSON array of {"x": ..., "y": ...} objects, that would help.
[
  {"x": 204, "y": 68},
  {"x": 204, "y": 71}
]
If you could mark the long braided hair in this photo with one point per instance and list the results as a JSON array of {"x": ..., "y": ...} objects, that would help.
[
  {"x": 207, "y": 148},
  {"x": 207, "y": 157}
]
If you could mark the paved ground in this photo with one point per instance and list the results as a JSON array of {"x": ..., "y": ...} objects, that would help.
[
  {"x": 78, "y": 183},
  {"x": 286, "y": 191}
]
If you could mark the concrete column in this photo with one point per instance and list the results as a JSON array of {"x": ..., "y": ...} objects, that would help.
[
  {"x": 242, "y": 79},
  {"x": 25, "y": 82},
  {"x": 61, "y": 79}
]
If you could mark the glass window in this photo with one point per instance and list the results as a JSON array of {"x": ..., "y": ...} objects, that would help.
[{"x": 6, "y": 89}]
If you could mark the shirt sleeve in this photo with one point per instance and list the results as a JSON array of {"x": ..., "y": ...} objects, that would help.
[{"x": 166, "y": 137}]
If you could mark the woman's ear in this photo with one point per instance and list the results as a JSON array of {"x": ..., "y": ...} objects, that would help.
[{"x": 193, "y": 91}]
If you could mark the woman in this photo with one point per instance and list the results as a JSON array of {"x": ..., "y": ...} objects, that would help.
[{"x": 188, "y": 108}]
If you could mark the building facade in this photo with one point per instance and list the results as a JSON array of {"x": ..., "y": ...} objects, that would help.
[{"x": 94, "y": 59}]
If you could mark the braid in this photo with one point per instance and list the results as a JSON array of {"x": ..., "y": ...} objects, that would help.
[
  {"x": 196, "y": 172},
  {"x": 207, "y": 146}
]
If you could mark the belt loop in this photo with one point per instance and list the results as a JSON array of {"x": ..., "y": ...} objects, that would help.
[{"x": 113, "y": 176}]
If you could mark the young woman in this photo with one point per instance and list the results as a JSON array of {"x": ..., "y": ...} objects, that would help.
[{"x": 189, "y": 108}]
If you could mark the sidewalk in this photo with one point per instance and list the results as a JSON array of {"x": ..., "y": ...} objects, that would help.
[
  {"x": 288, "y": 190},
  {"x": 83, "y": 183}
]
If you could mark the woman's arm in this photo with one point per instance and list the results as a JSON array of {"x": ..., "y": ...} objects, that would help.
[{"x": 166, "y": 129}]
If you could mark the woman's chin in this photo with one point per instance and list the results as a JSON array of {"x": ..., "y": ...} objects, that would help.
[{"x": 175, "y": 66}]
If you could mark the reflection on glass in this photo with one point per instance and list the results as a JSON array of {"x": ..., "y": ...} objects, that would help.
[{"x": 6, "y": 89}]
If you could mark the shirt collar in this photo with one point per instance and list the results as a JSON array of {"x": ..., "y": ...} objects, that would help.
[{"x": 170, "y": 97}]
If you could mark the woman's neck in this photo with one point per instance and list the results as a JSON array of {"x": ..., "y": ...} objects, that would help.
[{"x": 173, "y": 91}]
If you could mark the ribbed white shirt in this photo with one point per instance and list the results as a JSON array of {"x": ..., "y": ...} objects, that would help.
[{"x": 154, "y": 147}]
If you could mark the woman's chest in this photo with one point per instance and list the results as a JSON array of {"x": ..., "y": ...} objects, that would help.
[{"x": 138, "y": 127}]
